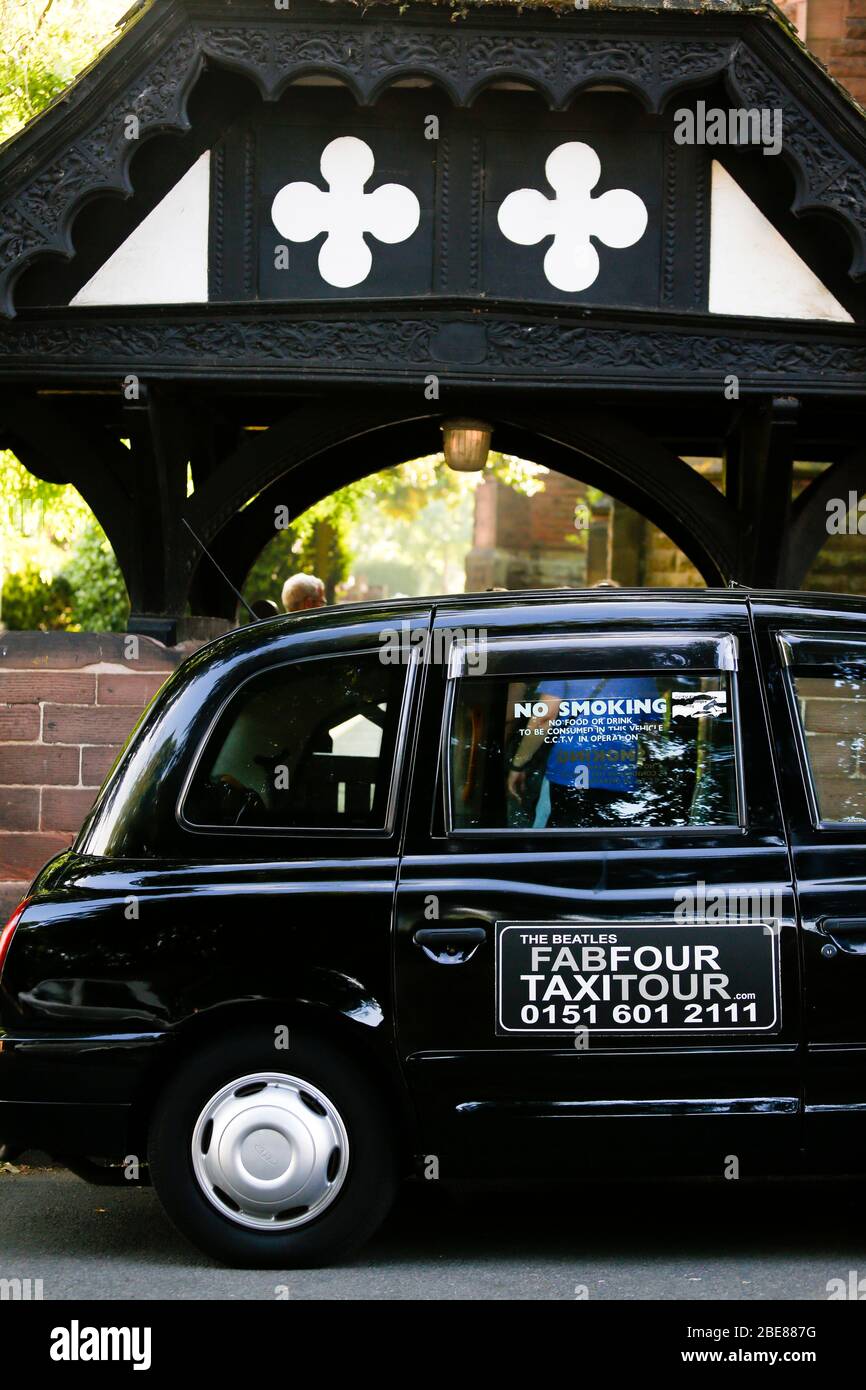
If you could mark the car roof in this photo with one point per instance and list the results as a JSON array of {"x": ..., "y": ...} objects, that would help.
[{"x": 250, "y": 635}]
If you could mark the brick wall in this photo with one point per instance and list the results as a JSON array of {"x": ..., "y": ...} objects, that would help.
[
  {"x": 839, "y": 568},
  {"x": 835, "y": 30},
  {"x": 67, "y": 703},
  {"x": 527, "y": 543}
]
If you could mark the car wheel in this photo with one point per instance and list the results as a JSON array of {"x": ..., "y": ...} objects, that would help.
[{"x": 273, "y": 1159}]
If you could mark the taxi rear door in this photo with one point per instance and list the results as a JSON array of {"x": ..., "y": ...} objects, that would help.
[{"x": 507, "y": 1085}]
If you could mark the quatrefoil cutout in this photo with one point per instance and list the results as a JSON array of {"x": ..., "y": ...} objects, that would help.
[
  {"x": 617, "y": 218},
  {"x": 301, "y": 211}
]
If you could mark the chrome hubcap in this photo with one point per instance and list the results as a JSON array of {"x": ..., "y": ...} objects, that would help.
[{"x": 270, "y": 1151}]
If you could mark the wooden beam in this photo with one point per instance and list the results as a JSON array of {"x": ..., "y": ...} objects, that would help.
[
  {"x": 163, "y": 554},
  {"x": 759, "y": 470}
]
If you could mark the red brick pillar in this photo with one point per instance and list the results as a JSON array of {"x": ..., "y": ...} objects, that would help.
[
  {"x": 521, "y": 542},
  {"x": 598, "y": 544},
  {"x": 626, "y": 546},
  {"x": 67, "y": 703}
]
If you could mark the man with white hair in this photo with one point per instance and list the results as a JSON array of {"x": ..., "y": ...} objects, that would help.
[{"x": 303, "y": 591}]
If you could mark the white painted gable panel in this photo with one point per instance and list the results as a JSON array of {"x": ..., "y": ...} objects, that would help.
[
  {"x": 753, "y": 270},
  {"x": 165, "y": 260}
]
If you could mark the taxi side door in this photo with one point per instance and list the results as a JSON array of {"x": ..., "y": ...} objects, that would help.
[{"x": 502, "y": 1091}]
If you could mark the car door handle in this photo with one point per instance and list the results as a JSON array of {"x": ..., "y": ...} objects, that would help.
[
  {"x": 848, "y": 933},
  {"x": 449, "y": 945}
]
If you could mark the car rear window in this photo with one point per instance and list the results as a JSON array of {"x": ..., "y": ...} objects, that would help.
[
  {"x": 308, "y": 745},
  {"x": 832, "y": 712},
  {"x": 593, "y": 750},
  {"x": 827, "y": 675}
]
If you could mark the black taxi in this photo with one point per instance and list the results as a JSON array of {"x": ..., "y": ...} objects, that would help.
[{"x": 527, "y": 886}]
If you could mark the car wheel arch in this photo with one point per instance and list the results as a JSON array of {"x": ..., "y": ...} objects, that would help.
[{"x": 312, "y": 1021}]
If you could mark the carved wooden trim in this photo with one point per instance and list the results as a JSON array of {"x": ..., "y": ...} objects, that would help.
[
  {"x": 475, "y": 214},
  {"x": 643, "y": 349},
  {"x": 216, "y": 232},
  {"x": 443, "y": 239},
  {"x": 702, "y": 233},
  {"x": 669, "y": 225},
  {"x": 249, "y": 203}
]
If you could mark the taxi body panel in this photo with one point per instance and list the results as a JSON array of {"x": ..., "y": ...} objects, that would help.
[{"x": 155, "y": 934}]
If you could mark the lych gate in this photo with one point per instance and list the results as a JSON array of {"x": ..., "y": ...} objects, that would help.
[{"x": 275, "y": 248}]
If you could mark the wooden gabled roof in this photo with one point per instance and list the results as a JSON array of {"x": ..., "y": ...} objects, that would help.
[{"x": 81, "y": 146}]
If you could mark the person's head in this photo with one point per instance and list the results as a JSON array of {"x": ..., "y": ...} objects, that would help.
[{"x": 303, "y": 591}]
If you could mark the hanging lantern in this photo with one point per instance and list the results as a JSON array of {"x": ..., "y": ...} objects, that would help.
[{"x": 466, "y": 444}]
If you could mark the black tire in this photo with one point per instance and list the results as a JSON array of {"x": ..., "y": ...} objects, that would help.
[{"x": 367, "y": 1191}]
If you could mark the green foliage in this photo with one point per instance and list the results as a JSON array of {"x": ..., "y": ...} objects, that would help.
[
  {"x": 36, "y": 512},
  {"x": 31, "y": 603},
  {"x": 58, "y": 569},
  {"x": 44, "y": 44},
  {"x": 99, "y": 598}
]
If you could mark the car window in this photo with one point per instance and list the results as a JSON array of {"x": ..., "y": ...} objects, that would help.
[
  {"x": 601, "y": 749},
  {"x": 832, "y": 711},
  {"x": 303, "y": 745}
]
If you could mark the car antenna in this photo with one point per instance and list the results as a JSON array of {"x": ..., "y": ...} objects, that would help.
[{"x": 240, "y": 598}]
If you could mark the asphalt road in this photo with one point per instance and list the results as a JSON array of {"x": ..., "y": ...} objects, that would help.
[{"x": 638, "y": 1241}]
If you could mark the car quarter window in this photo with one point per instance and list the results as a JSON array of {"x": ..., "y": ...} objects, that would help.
[
  {"x": 625, "y": 745},
  {"x": 827, "y": 682},
  {"x": 304, "y": 745}
]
